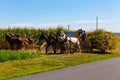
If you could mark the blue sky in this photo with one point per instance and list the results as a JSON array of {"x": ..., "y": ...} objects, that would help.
[{"x": 50, "y": 13}]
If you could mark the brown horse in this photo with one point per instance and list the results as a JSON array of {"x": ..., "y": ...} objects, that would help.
[
  {"x": 49, "y": 40},
  {"x": 16, "y": 42}
]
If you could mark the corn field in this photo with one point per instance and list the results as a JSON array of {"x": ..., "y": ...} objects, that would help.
[
  {"x": 27, "y": 33},
  {"x": 100, "y": 39}
]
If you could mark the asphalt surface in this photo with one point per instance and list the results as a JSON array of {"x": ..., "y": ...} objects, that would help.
[{"x": 101, "y": 70}]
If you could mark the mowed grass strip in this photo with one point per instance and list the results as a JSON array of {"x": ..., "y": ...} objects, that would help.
[{"x": 14, "y": 68}]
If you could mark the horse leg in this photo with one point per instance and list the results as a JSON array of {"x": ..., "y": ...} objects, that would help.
[
  {"x": 79, "y": 48},
  {"x": 64, "y": 49},
  {"x": 70, "y": 47},
  {"x": 19, "y": 46},
  {"x": 47, "y": 48},
  {"x": 11, "y": 46},
  {"x": 16, "y": 46},
  {"x": 54, "y": 48},
  {"x": 61, "y": 49}
]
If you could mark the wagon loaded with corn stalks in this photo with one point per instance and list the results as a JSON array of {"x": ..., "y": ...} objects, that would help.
[{"x": 86, "y": 45}]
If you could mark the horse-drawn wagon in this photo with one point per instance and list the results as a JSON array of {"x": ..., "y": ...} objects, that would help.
[{"x": 66, "y": 42}]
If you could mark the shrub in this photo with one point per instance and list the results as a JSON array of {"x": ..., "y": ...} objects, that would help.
[{"x": 103, "y": 40}]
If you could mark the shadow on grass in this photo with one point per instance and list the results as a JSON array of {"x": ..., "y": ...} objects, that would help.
[
  {"x": 52, "y": 53},
  {"x": 98, "y": 52},
  {"x": 93, "y": 52}
]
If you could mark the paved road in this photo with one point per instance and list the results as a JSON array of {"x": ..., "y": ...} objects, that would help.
[{"x": 101, "y": 70}]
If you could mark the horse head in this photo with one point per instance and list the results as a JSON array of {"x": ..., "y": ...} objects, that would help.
[
  {"x": 11, "y": 35},
  {"x": 31, "y": 41},
  {"x": 8, "y": 37},
  {"x": 16, "y": 35},
  {"x": 64, "y": 37},
  {"x": 43, "y": 36},
  {"x": 53, "y": 36},
  {"x": 80, "y": 31}
]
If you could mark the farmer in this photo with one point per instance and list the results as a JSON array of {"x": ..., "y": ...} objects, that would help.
[
  {"x": 83, "y": 35},
  {"x": 62, "y": 34}
]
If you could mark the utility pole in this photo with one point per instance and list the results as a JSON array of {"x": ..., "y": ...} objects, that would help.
[
  {"x": 68, "y": 27},
  {"x": 96, "y": 22}
]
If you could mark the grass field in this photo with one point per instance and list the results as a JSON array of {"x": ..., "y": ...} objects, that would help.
[
  {"x": 14, "y": 68},
  {"x": 6, "y": 55}
]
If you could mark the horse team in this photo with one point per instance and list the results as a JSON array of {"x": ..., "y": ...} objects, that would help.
[
  {"x": 62, "y": 41},
  {"x": 17, "y": 42}
]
